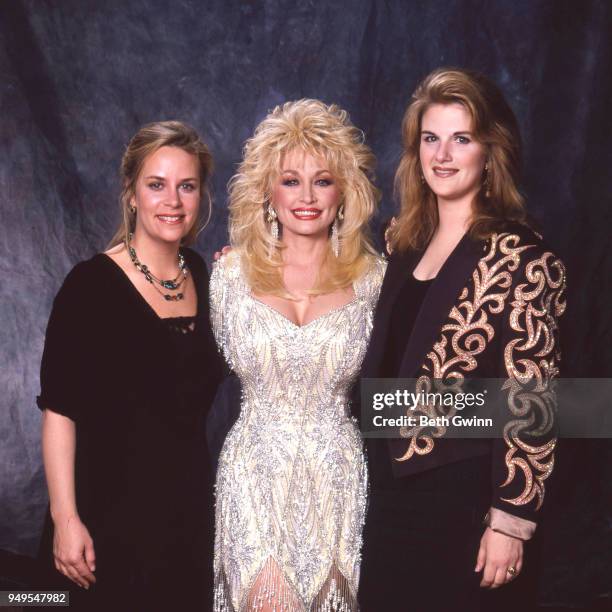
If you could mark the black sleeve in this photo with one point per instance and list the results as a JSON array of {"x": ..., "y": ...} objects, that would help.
[
  {"x": 64, "y": 360},
  {"x": 524, "y": 458}
]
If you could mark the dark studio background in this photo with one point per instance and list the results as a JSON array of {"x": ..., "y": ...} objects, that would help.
[{"x": 78, "y": 78}]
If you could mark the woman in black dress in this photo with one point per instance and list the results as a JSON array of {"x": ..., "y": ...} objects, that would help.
[
  {"x": 470, "y": 292},
  {"x": 129, "y": 370}
]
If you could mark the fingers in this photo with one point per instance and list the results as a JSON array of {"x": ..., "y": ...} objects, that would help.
[
  {"x": 224, "y": 251},
  {"x": 90, "y": 557},
  {"x": 77, "y": 569},
  {"x": 501, "y": 577},
  {"x": 84, "y": 572},
  {"x": 497, "y": 574},
  {"x": 488, "y": 576},
  {"x": 481, "y": 558},
  {"x": 71, "y": 573}
]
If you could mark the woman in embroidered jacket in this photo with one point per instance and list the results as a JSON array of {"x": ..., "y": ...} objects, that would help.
[
  {"x": 470, "y": 292},
  {"x": 292, "y": 308}
]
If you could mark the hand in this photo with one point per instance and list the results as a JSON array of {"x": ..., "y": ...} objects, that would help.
[
  {"x": 226, "y": 249},
  {"x": 496, "y": 554},
  {"x": 73, "y": 551}
]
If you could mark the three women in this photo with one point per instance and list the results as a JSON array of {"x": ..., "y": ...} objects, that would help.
[{"x": 470, "y": 291}]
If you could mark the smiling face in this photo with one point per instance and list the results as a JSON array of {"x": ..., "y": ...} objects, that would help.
[
  {"x": 167, "y": 195},
  {"x": 451, "y": 160},
  {"x": 305, "y": 195}
]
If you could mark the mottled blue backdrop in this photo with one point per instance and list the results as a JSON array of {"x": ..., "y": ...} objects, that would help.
[{"x": 78, "y": 77}]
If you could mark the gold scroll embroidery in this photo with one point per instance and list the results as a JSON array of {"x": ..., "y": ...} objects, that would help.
[
  {"x": 530, "y": 361},
  {"x": 466, "y": 335}
]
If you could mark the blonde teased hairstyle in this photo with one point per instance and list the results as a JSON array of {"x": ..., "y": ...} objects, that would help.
[
  {"x": 322, "y": 131},
  {"x": 147, "y": 141},
  {"x": 494, "y": 125}
]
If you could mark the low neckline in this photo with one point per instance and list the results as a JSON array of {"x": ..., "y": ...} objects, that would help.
[
  {"x": 305, "y": 325},
  {"x": 424, "y": 280},
  {"x": 142, "y": 299}
]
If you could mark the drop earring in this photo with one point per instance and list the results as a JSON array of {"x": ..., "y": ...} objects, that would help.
[
  {"x": 272, "y": 219},
  {"x": 335, "y": 239},
  {"x": 487, "y": 183}
]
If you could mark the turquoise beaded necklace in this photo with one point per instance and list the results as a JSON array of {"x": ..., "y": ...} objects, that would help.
[{"x": 170, "y": 285}]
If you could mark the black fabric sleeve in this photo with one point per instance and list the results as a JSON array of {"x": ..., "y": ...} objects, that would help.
[
  {"x": 64, "y": 360},
  {"x": 524, "y": 458}
]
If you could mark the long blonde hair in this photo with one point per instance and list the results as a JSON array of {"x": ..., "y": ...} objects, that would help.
[
  {"x": 494, "y": 125},
  {"x": 323, "y": 131},
  {"x": 145, "y": 142}
]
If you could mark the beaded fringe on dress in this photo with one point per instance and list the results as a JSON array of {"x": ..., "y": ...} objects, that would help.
[{"x": 272, "y": 591}]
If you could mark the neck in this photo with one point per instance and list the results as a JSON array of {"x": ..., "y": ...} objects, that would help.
[
  {"x": 160, "y": 257},
  {"x": 304, "y": 251},
  {"x": 454, "y": 215}
]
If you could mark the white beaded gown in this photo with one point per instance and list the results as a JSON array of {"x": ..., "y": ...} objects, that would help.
[{"x": 292, "y": 480}]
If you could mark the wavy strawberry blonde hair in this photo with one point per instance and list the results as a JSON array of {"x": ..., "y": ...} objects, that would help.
[
  {"x": 322, "y": 131},
  {"x": 494, "y": 125}
]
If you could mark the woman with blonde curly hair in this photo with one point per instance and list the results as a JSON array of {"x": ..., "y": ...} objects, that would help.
[
  {"x": 292, "y": 307},
  {"x": 471, "y": 293}
]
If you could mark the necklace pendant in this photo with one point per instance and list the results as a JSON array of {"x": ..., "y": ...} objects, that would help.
[
  {"x": 173, "y": 298},
  {"x": 169, "y": 284}
]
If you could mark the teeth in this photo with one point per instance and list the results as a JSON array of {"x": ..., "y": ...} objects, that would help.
[
  {"x": 169, "y": 219},
  {"x": 306, "y": 213}
]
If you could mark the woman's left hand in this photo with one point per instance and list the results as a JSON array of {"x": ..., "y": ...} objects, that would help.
[{"x": 498, "y": 555}]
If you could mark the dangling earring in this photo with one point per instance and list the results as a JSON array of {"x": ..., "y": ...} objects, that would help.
[
  {"x": 272, "y": 219},
  {"x": 487, "y": 184},
  {"x": 421, "y": 175},
  {"x": 335, "y": 240},
  {"x": 132, "y": 209}
]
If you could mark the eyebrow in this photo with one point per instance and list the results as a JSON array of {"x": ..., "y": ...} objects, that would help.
[
  {"x": 289, "y": 171},
  {"x": 161, "y": 178},
  {"x": 454, "y": 133}
]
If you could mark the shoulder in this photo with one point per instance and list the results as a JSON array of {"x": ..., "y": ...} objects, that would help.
[
  {"x": 377, "y": 268},
  {"x": 401, "y": 258},
  {"x": 83, "y": 287},
  {"x": 85, "y": 276},
  {"x": 195, "y": 262},
  {"x": 371, "y": 280},
  {"x": 525, "y": 245},
  {"x": 517, "y": 235},
  {"x": 536, "y": 270},
  {"x": 227, "y": 267}
]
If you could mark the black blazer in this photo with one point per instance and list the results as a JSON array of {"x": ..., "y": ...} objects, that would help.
[{"x": 491, "y": 312}]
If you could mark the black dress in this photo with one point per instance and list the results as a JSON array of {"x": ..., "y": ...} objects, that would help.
[
  {"x": 421, "y": 531},
  {"x": 138, "y": 388}
]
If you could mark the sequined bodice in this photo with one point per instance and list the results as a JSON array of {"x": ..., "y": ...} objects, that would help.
[{"x": 292, "y": 475}]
